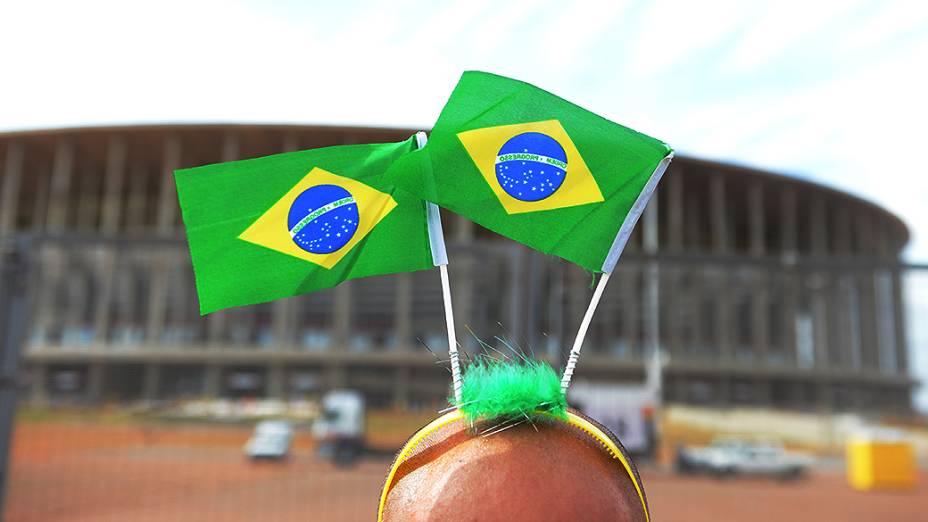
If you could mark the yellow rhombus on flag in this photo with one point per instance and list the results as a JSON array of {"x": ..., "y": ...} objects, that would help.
[
  {"x": 576, "y": 185},
  {"x": 273, "y": 231}
]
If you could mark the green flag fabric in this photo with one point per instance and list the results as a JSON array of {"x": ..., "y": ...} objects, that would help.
[
  {"x": 288, "y": 224},
  {"x": 537, "y": 169}
]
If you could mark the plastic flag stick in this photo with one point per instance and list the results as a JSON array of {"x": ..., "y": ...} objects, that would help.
[
  {"x": 584, "y": 326},
  {"x": 440, "y": 258}
]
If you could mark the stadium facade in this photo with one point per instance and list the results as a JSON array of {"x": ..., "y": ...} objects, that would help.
[{"x": 761, "y": 289}]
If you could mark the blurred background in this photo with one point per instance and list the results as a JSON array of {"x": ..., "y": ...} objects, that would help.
[{"x": 760, "y": 347}]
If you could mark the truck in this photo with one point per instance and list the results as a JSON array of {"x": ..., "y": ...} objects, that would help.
[
  {"x": 626, "y": 410},
  {"x": 729, "y": 457},
  {"x": 339, "y": 429}
]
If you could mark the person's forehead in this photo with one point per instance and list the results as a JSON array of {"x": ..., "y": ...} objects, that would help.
[
  {"x": 535, "y": 471},
  {"x": 551, "y": 444}
]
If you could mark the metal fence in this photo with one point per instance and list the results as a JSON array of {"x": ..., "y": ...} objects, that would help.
[{"x": 71, "y": 304}]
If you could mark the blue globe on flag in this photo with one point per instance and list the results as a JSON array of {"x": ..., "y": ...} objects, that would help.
[
  {"x": 531, "y": 166},
  {"x": 323, "y": 218}
]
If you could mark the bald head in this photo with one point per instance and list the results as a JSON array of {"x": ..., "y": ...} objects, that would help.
[{"x": 554, "y": 473}]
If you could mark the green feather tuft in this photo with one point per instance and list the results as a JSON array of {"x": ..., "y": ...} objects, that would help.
[{"x": 497, "y": 389}]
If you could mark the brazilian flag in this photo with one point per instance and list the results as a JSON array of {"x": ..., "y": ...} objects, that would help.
[
  {"x": 537, "y": 169},
  {"x": 292, "y": 223}
]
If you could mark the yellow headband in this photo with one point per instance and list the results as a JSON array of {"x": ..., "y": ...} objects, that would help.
[{"x": 572, "y": 418}]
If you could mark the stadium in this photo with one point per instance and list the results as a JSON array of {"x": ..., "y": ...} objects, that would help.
[{"x": 760, "y": 289}]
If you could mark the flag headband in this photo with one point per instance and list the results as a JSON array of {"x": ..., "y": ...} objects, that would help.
[{"x": 598, "y": 433}]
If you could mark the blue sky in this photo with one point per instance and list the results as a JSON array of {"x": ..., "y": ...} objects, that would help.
[{"x": 828, "y": 91}]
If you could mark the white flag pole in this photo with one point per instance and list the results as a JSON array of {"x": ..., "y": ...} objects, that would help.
[
  {"x": 440, "y": 259},
  {"x": 581, "y": 333},
  {"x": 625, "y": 231}
]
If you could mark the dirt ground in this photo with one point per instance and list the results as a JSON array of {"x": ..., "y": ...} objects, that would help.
[{"x": 71, "y": 471}]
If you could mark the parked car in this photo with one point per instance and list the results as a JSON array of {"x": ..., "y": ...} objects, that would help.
[
  {"x": 729, "y": 457},
  {"x": 270, "y": 440}
]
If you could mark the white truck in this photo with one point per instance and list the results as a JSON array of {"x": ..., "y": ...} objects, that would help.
[
  {"x": 627, "y": 411},
  {"x": 340, "y": 427},
  {"x": 729, "y": 457}
]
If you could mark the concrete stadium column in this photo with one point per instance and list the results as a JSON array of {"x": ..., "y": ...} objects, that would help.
[
  {"x": 114, "y": 180},
  {"x": 761, "y": 296},
  {"x": 151, "y": 382},
  {"x": 790, "y": 298},
  {"x": 788, "y": 230},
  {"x": 756, "y": 219},
  {"x": 760, "y": 329},
  {"x": 276, "y": 386},
  {"x": 722, "y": 391},
  {"x": 557, "y": 272},
  {"x": 167, "y": 199},
  {"x": 819, "y": 226},
  {"x": 694, "y": 229},
  {"x": 869, "y": 344},
  {"x": 763, "y": 391},
  {"x": 78, "y": 290},
  {"x": 867, "y": 284},
  {"x": 43, "y": 180},
  {"x": 402, "y": 319},
  {"x": 10, "y": 181},
  {"x": 723, "y": 317},
  {"x": 212, "y": 381},
  {"x": 135, "y": 202},
  {"x": 900, "y": 318},
  {"x": 216, "y": 322},
  {"x": 9, "y": 191},
  {"x": 341, "y": 335},
  {"x": 797, "y": 394},
  {"x": 52, "y": 260},
  {"x": 788, "y": 246},
  {"x": 283, "y": 324},
  {"x": 38, "y": 381},
  {"x": 696, "y": 296},
  {"x": 518, "y": 304},
  {"x": 95, "y": 382},
  {"x": 675, "y": 237},
  {"x": 87, "y": 193},
  {"x": 461, "y": 270},
  {"x": 631, "y": 308},
  {"x": 839, "y": 321},
  {"x": 60, "y": 195},
  {"x": 842, "y": 230},
  {"x": 820, "y": 328},
  {"x": 285, "y": 310},
  {"x": 533, "y": 275},
  {"x": 887, "y": 343},
  {"x": 341, "y": 316},
  {"x": 675, "y": 210},
  {"x": 165, "y": 225},
  {"x": 651, "y": 301},
  {"x": 671, "y": 333},
  {"x": 401, "y": 378},
  {"x": 864, "y": 233},
  {"x": 883, "y": 238},
  {"x": 824, "y": 395},
  {"x": 718, "y": 213}
]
